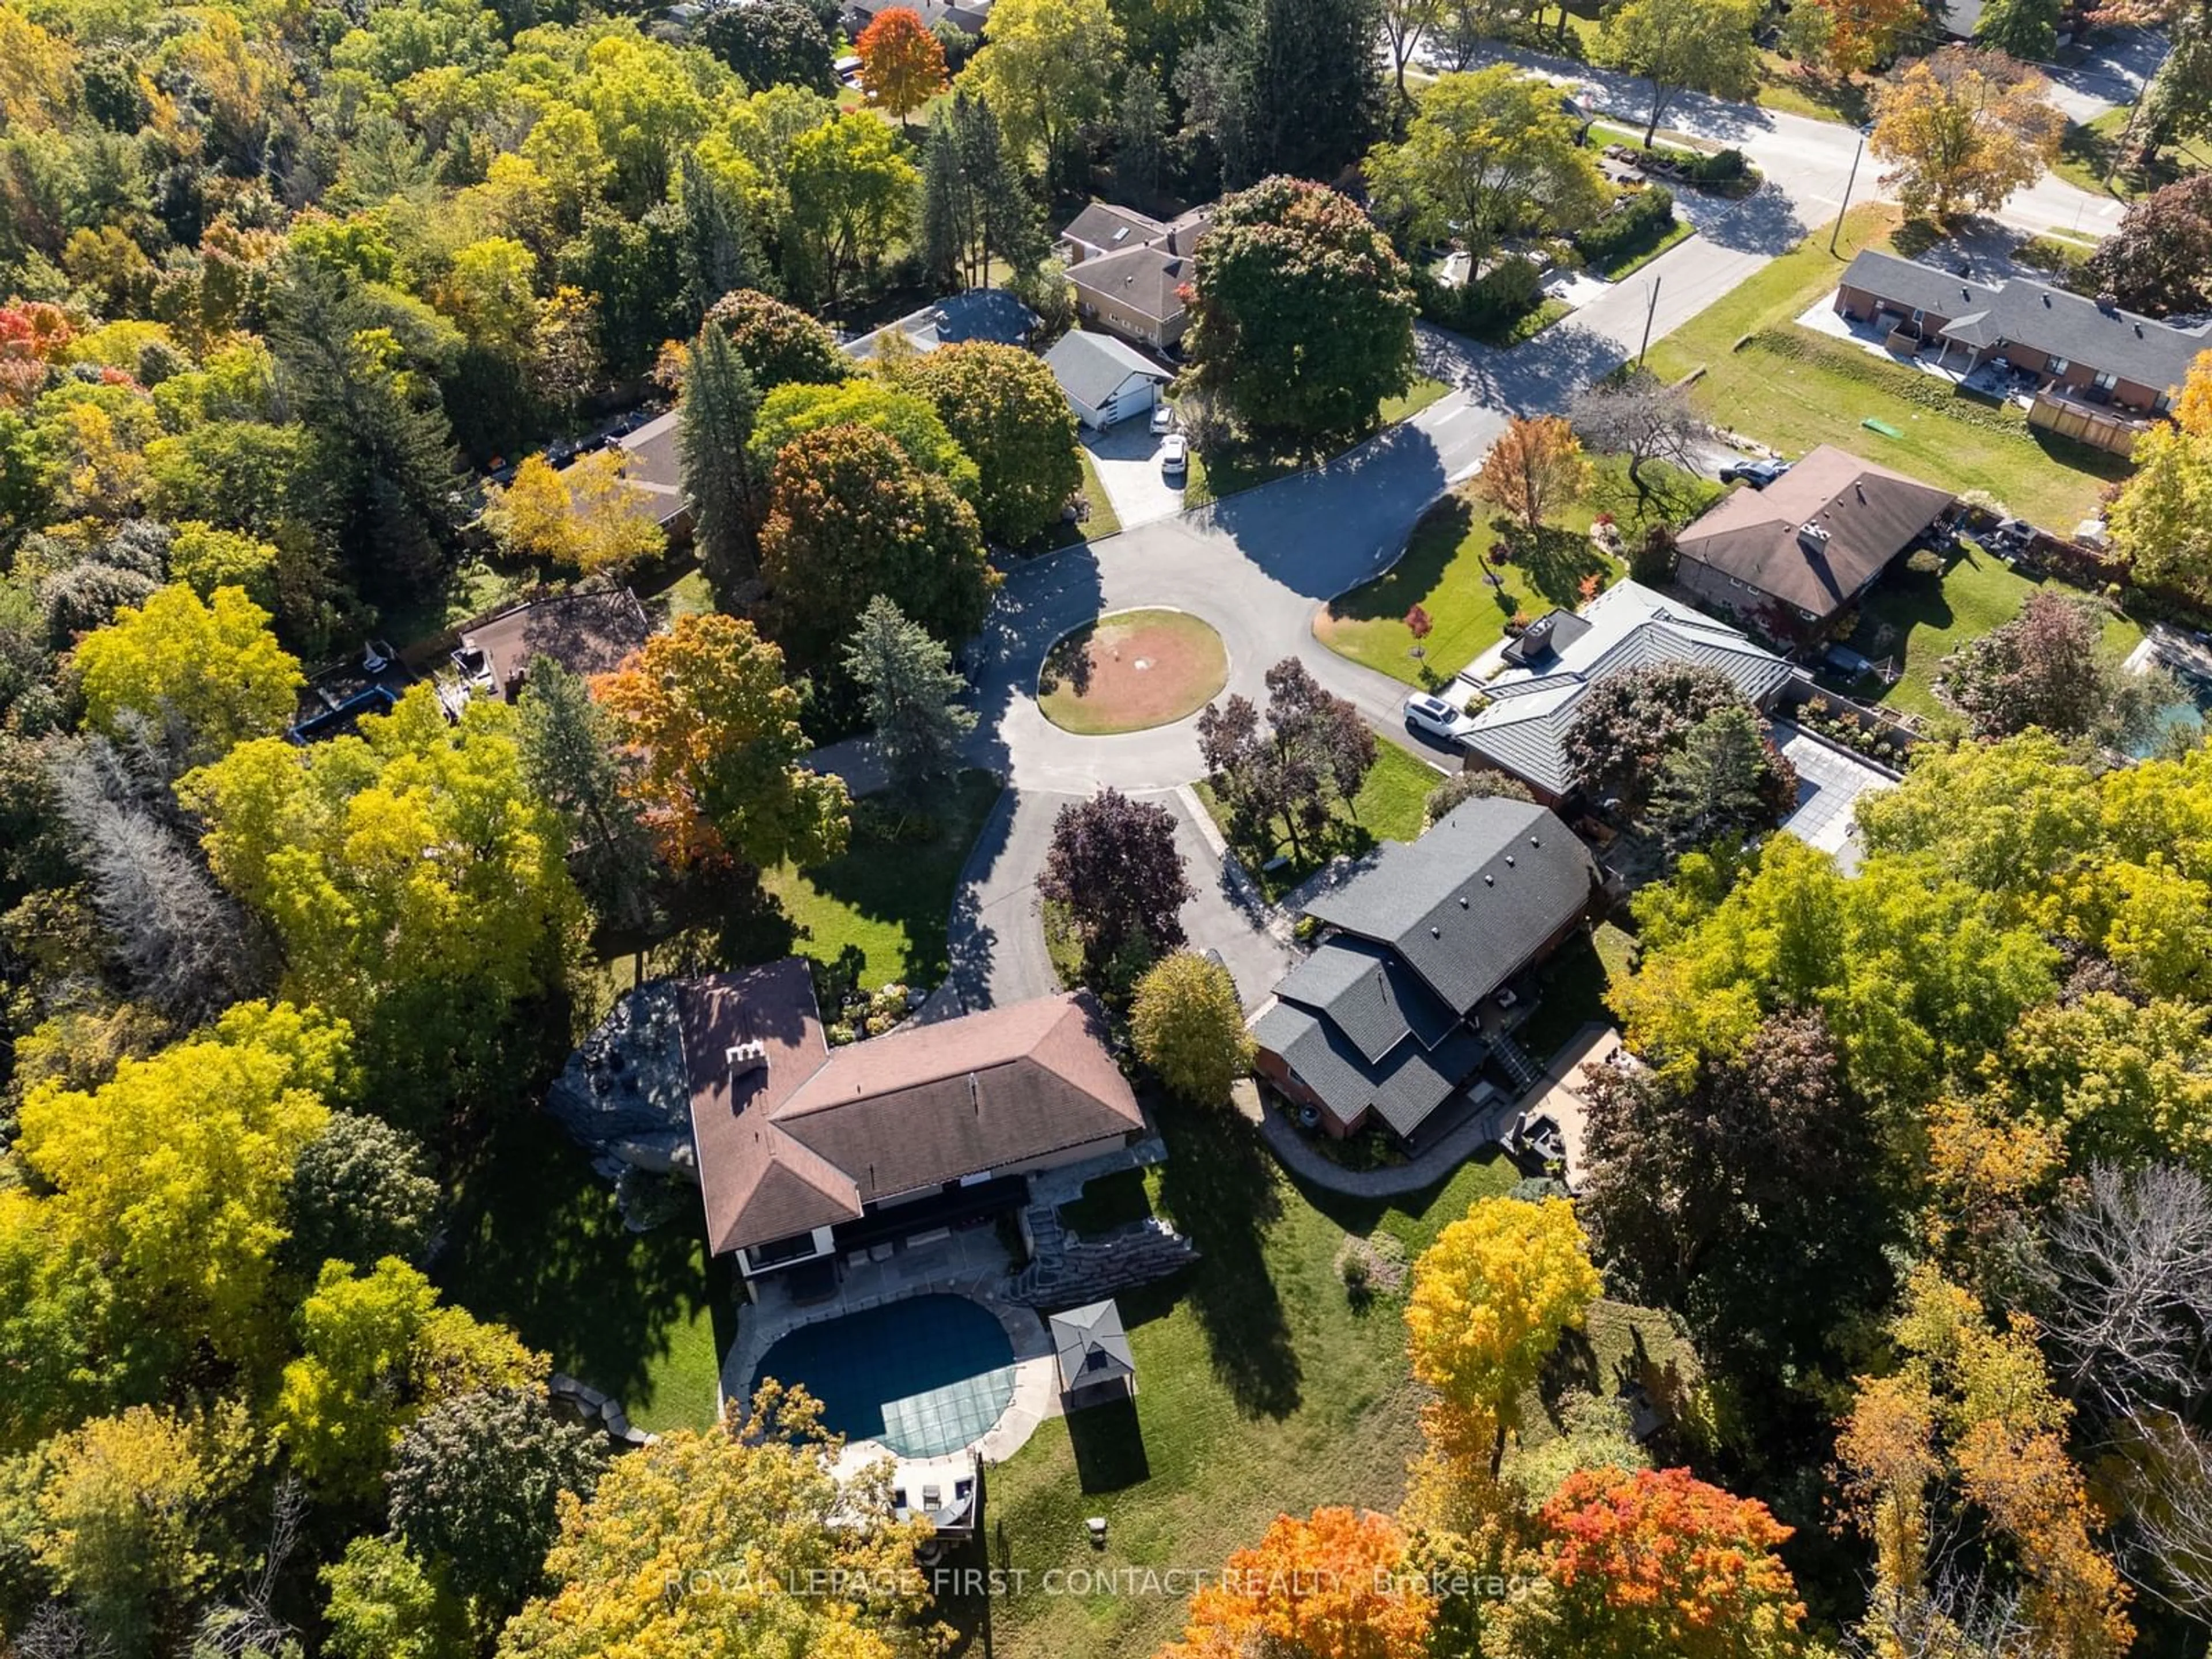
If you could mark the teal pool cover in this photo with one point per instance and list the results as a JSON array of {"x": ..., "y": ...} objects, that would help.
[{"x": 925, "y": 1377}]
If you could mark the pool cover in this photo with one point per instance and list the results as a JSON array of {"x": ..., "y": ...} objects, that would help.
[{"x": 926, "y": 1376}]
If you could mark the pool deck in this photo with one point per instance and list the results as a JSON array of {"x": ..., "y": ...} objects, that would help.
[{"x": 972, "y": 1263}]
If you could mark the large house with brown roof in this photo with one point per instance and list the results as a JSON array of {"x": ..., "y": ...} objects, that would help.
[
  {"x": 805, "y": 1151},
  {"x": 1129, "y": 269},
  {"x": 1793, "y": 554}
]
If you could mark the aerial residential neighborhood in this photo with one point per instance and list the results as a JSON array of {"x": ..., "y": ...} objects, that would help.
[{"x": 1048, "y": 828}]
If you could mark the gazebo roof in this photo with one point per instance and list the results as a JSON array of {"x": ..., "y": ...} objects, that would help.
[{"x": 1092, "y": 1346}]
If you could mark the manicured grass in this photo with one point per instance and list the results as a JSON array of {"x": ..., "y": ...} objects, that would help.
[
  {"x": 1517, "y": 330},
  {"x": 1781, "y": 86},
  {"x": 1415, "y": 398},
  {"x": 1789, "y": 387},
  {"x": 1619, "y": 1342},
  {"x": 1100, "y": 522},
  {"x": 1628, "y": 264},
  {"x": 880, "y": 910},
  {"x": 2089, "y": 156},
  {"x": 1574, "y": 984},
  {"x": 1131, "y": 671},
  {"x": 1109, "y": 1202},
  {"x": 1443, "y": 571},
  {"x": 537, "y": 1240},
  {"x": 1261, "y": 1389},
  {"x": 1390, "y": 805},
  {"x": 1922, "y": 619}
]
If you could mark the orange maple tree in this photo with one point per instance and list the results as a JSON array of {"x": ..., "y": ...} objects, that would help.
[
  {"x": 1659, "y": 1562},
  {"x": 901, "y": 63},
  {"x": 1333, "y": 1587}
]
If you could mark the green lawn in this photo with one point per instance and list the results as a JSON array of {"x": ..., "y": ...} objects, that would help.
[
  {"x": 1100, "y": 522},
  {"x": 1415, "y": 398},
  {"x": 1786, "y": 386},
  {"x": 1390, "y": 805},
  {"x": 1242, "y": 465},
  {"x": 1525, "y": 326},
  {"x": 1443, "y": 571},
  {"x": 1922, "y": 619},
  {"x": 1821, "y": 97},
  {"x": 2089, "y": 157},
  {"x": 536, "y": 1239},
  {"x": 1262, "y": 1389},
  {"x": 1574, "y": 984}
]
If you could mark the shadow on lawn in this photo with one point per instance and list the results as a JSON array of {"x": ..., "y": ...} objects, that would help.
[
  {"x": 1217, "y": 1186},
  {"x": 1108, "y": 1442},
  {"x": 1556, "y": 561}
]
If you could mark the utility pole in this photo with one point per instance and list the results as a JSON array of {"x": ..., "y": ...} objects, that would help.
[
  {"x": 1838, "y": 229},
  {"x": 1650, "y": 311}
]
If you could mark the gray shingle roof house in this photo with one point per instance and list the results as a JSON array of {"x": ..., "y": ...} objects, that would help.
[
  {"x": 1523, "y": 728},
  {"x": 1383, "y": 1018},
  {"x": 1810, "y": 543},
  {"x": 1104, "y": 380},
  {"x": 1129, "y": 269},
  {"x": 979, "y": 313},
  {"x": 2098, "y": 350}
]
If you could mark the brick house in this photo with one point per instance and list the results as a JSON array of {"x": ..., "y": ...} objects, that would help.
[{"x": 1129, "y": 269}]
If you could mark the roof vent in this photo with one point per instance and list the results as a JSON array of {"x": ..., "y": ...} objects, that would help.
[
  {"x": 975, "y": 1096},
  {"x": 1489, "y": 880},
  {"x": 1462, "y": 901},
  {"x": 1966, "y": 293},
  {"x": 2046, "y": 302},
  {"x": 1508, "y": 861},
  {"x": 2139, "y": 333},
  {"x": 1533, "y": 841},
  {"x": 1436, "y": 932}
]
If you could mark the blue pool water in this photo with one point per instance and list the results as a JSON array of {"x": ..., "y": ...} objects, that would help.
[{"x": 925, "y": 1377}]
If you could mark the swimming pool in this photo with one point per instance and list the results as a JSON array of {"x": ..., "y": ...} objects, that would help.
[{"x": 925, "y": 1377}]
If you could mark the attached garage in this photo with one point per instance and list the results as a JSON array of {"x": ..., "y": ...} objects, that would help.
[{"x": 1106, "y": 381}]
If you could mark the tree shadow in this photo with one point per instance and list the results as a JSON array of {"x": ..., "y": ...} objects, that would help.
[
  {"x": 1429, "y": 551},
  {"x": 1556, "y": 561},
  {"x": 1108, "y": 1442},
  {"x": 1219, "y": 1187}
]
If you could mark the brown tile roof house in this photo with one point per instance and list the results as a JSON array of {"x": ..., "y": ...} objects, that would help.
[
  {"x": 795, "y": 1138},
  {"x": 1810, "y": 542}
]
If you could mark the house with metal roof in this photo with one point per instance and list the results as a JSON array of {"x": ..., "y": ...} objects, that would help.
[
  {"x": 1520, "y": 717},
  {"x": 980, "y": 314},
  {"x": 2099, "y": 373},
  {"x": 1106, "y": 381},
  {"x": 1385, "y": 1021}
]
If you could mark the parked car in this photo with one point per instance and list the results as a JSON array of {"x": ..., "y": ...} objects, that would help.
[
  {"x": 1432, "y": 715},
  {"x": 1757, "y": 474},
  {"x": 1163, "y": 417},
  {"x": 475, "y": 664},
  {"x": 1175, "y": 454},
  {"x": 379, "y": 655}
]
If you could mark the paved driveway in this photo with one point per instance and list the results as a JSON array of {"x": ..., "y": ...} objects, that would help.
[{"x": 1127, "y": 459}]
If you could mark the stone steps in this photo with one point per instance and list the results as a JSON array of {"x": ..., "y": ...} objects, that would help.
[{"x": 1068, "y": 1271}]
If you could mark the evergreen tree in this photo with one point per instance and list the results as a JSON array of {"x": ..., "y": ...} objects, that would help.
[
  {"x": 715, "y": 258},
  {"x": 568, "y": 754},
  {"x": 911, "y": 695},
  {"x": 1141, "y": 127},
  {"x": 1303, "y": 94},
  {"x": 975, "y": 207},
  {"x": 713, "y": 430}
]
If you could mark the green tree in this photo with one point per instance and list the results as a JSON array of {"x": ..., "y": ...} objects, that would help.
[
  {"x": 1045, "y": 69},
  {"x": 1302, "y": 93},
  {"x": 781, "y": 43},
  {"x": 1302, "y": 313},
  {"x": 712, "y": 736},
  {"x": 2162, "y": 518},
  {"x": 376, "y": 1351},
  {"x": 1725, "y": 779},
  {"x": 779, "y": 343},
  {"x": 1190, "y": 1027},
  {"x": 849, "y": 516},
  {"x": 910, "y": 693},
  {"x": 212, "y": 670},
  {"x": 2026, "y": 29},
  {"x": 721, "y": 481},
  {"x": 360, "y": 1190},
  {"x": 1682, "y": 46},
  {"x": 57, "y": 1341},
  {"x": 910, "y": 422},
  {"x": 476, "y": 1484},
  {"x": 716, "y": 260},
  {"x": 1003, "y": 408},
  {"x": 975, "y": 205},
  {"x": 1486, "y": 155},
  {"x": 568, "y": 756},
  {"x": 1140, "y": 137},
  {"x": 382, "y": 1603},
  {"x": 852, "y": 194}
]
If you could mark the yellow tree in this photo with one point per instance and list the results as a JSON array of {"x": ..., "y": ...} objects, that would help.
[
  {"x": 1045, "y": 68},
  {"x": 2162, "y": 521},
  {"x": 1188, "y": 1026},
  {"x": 901, "y": 63},
  {"x": 176, "y": 1170},
  {"x": 1849, "y": 37},
  {"x": 212, "y": 667},
  {"x": 585, "y": 516},
  {"x": 1536, "y": 467},
  {"x": 1490, "y": 1299},
  {"x": 1964, "y": 129},
  {"x": 1333, "y": 1587}
]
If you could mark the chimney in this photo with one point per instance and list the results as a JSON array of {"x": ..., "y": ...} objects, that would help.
[
  {"x": 744, "y": 1059},
  {"x": 1813, "y": 536},
  {"x": 2108, "y": 303}
]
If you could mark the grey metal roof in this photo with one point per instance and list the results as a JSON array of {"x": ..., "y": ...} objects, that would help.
[
  {"x": 1472, "y": 900},
  {"x": 2046, "y": 320},
  {"x": 1372, "y": 998},
  {"x": 980, "y": 314},
  {"x": 1403, "y": 1089},
  {"x": 1092, "y": 1345},
  {"x": 1091, "y": 367}
]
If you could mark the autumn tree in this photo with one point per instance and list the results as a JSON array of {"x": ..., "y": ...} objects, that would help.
[
  {"x": 909, "y": 420},
  {"x": 1471, "y": 783},
  {"x": 1486, "y": 155},
  {"x": 1626, "y": 726},
  {"x": 1850, "y": 37},
  {"x": 1003, "y": 408},
  {"x": 382, "y": 1602},
  {"x": 901, "y": 64},
  {"x": 778, "y": 344},
  {"x": 585, "y": 516},
  {"x": 1300, "y": 313},
  {"x": 1682, "y": 46},
  {"x": 725, "y": 484},
  {"x": 2162, "y": 516},
  {"x": 1045, "y": 69},
  {"x": 1654, "y": 1561},
  {"x": 849, "y": 516},
  {"x": 1188, "y": 1025},
  {"x": 1963, "y": 129},
  {"x": 212, "y": 670},
  {"x": 568, "y": 756},
  {"x": 1534, "y": 468},
  {"x": 752, "y": 1514},
  {"x": 1311, "y": 756},
  {"x": 1113, "y": 864},
  {"x": 1490, "y": 1300},
  {"x": 910, "y": 693},
  {"x": 1336, "y": 1585},
  {"x": 2048, "y": 667},
  {"x": 2159, "y": 261},
  {"x": 710, "y": 733}
]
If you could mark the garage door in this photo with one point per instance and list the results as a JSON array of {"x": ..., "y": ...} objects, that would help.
[{"x": 1134, "y": 399}]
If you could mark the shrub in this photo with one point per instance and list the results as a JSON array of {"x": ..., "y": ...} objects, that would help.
[
  {"x": 1925, "y": 562},
  {"x": 1637, "y": 221}
]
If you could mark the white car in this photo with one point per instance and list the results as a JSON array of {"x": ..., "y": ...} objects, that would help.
[
  {"x": 1163, "y": 418},
  {"x": 1175, "y": 454},
  {"x": 1433, "y": 715},
  {"x": 475, "y": 664}
]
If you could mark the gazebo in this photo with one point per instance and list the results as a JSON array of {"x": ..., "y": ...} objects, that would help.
[{"x": 1095, "y": 1362}]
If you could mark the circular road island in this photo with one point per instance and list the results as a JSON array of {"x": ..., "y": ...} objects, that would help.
[{"x": 1131, "y": 670}]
